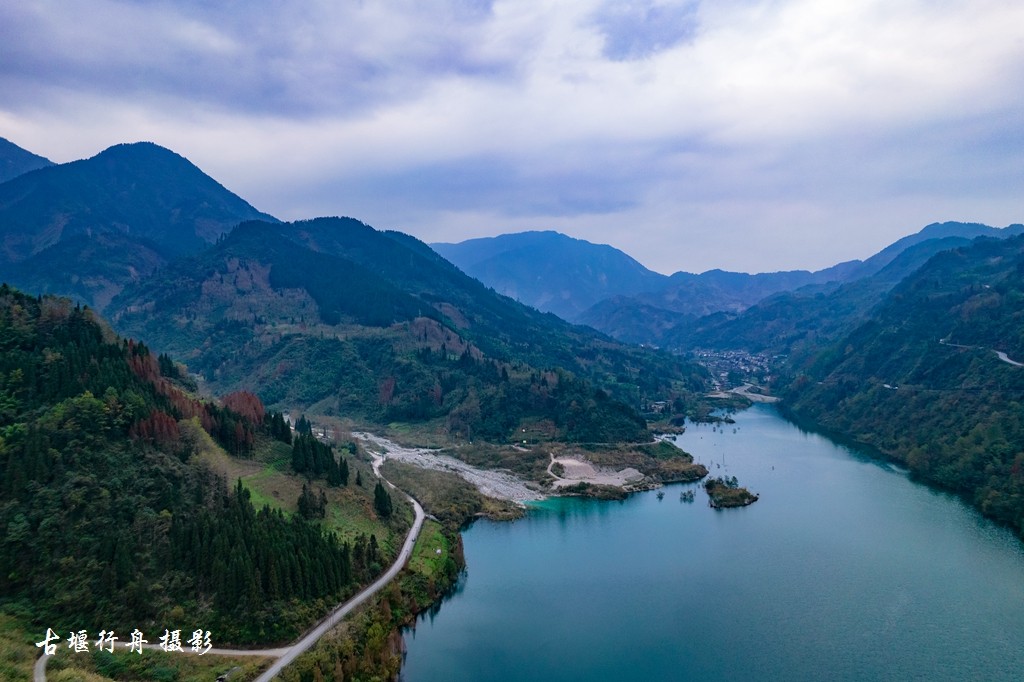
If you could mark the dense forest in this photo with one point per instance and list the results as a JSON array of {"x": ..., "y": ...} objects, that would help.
[
  {"x": 109, "y": 522},
  {"x": 922, "y": 382},
  {"x": 334, "y": 316}
]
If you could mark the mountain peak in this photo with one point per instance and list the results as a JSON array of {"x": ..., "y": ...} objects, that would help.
[
  {"x": 149, "y": 158},
  {"x": 551, "y": 271},
  {"x": 137, "y": 198},
  {"x": 15, "y": 161}
]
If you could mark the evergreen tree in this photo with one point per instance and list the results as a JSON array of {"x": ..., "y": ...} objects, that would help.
[{"x": 382, "y": 501}]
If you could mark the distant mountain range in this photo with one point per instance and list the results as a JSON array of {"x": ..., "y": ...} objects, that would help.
[
  {"x": 87, "y": 228},
  {"x": 328, "y": 315},
  {"x": 606, "y": 289},
  {"x": 15, "y": 161}
]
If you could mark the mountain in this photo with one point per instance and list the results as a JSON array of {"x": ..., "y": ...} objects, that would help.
[
  {"x": 112, "y": 510},
  {"x": 599, "y": 286},
  {"x": 334, "y": 316},
  {"x": 15, "y": 161},
  {"x": 922, "y": 378},
  {"x": 630, "y": 320},
  {"x": 801, "y": 320},
  {"x": 550, "y": 271},
  {"x": 775, "y": 312},
  {"x": 690, "y": 296},
  {"x": 88, "y": 227}
]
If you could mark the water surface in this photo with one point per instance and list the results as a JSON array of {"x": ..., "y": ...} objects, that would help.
[{"x": 844, "y": 570}]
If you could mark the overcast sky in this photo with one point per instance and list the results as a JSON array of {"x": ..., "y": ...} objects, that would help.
[{"x": 742, "y": 134}]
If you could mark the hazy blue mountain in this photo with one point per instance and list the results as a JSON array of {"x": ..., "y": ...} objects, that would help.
[
  {"x": 598, "y": 285},
  {"x": 550, "y": 271},
  {"x": 630, "y": 320},
  {"x": 86, "y": 228},
  {"x": 772, "y": 310},
  {"x": 798, "y": 321},
  {"x": 15, "y": 161}
]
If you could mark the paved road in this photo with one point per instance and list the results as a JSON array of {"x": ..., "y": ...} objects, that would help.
[
  {"x": 320, "y": 630},
  {"x": 999, "y": 354},
  {"x": 288, "y": 654},
  {"x": 1002, "y": 356}
]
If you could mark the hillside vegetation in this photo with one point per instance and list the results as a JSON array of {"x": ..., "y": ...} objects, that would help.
[
  {"x": 921, "y": 381},
  {"x": 333, "y": 316},
  {"x": 111, "y": 518}
]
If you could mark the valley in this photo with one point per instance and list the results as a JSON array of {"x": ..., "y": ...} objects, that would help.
[{"x": 156, "y": 328}]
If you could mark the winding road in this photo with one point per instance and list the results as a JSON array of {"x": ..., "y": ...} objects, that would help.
[
  {"x": 1002, "y": 356},
  {"x": 288, "y": 654},
  {"x": 999, "y": 354}
]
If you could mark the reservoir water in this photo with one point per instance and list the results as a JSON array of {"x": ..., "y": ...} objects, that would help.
[{"x": 843, "y": 570}]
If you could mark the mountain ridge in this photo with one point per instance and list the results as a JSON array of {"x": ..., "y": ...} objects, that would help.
[
  {"x": 575, "y": 275},
  {"x": 672, "y": 301},
  {"x": 919, "y": 378},
  {"x": 132, "y": 206},
  {"x": 15, "y": 161},
  {"x": 332, "y": 315}
]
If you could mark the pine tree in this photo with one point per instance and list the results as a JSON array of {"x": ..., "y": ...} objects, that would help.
[{"x": 382, "y": 501}]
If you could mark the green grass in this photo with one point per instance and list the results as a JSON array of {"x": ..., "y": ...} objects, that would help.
[
  {"x": 426, "y": 559},
  {"x": 17, "y": 650},
  {"x": 151, "y": 665},
  {"x": 270, "y": 481}
]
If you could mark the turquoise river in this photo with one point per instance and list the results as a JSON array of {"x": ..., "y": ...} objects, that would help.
[{"x": 844, "y": 570}]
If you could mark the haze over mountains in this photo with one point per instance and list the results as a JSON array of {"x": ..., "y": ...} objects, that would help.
[
  {"x": 550, "y": 271},
  {"x": 602, "y": 287}
]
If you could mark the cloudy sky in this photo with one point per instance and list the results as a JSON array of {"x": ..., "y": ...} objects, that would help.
[{"x": 750, "y": 135}]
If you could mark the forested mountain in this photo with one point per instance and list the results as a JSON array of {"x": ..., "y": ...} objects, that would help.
[
  {"x": 550, "y": 271},
  {"x": 332, "y": 315},
  {"x": 921, "y": 379},
  {"x": 801, "y": 321},
  {"x": 87, "y": 228},
  {"x": 110, "y": 520},
  {"x": 15, "y": 161},
  {"x": 829, "y": 303},
  {"x": 604, "y": 288}
]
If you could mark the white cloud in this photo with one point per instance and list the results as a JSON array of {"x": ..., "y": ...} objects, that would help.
[{"x": 775, "y": 126}]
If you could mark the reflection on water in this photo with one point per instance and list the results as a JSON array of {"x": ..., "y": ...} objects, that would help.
[{"x": 844, "y": 569}]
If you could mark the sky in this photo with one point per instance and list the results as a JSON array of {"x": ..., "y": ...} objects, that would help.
[{"x": 738, "y": 134}]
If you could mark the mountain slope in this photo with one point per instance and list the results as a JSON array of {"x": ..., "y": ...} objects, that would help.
[
  {"x": 113, "y": 517},
  {"x": 724, "y": 295},
  {"x": 15, "y": 161},
  {"x": 550, "y": 271},
  {"x": 335, "y": 315},
  {"x": 800, "y": 321},
  {"x": 126, "y": 210},
  {"x": 920, "y": 379}
]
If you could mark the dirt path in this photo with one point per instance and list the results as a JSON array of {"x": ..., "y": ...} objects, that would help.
[
  {"x": 497, "y": 484},
  {"x": 581, "y": 471}
]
